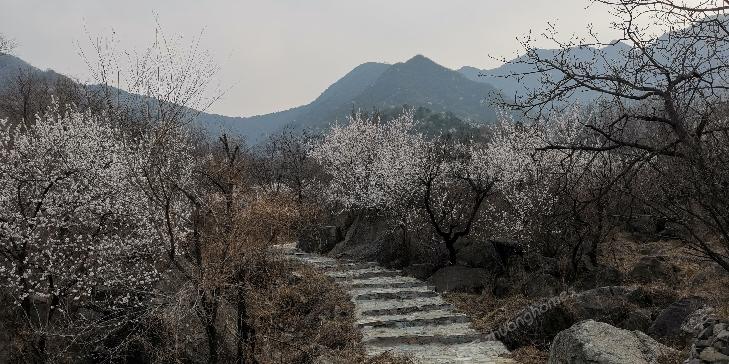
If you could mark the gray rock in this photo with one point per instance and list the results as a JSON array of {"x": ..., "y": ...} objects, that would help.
[
  {"x": 599, "y": 343},
  {"x": 711, "y": 345},
  {"x": 694, "y": 322},
  {"x": 420, "y": 270},
  {"x": 606, "y": 304},
  {"x": 458, "y": 278},
  {"x": 670, "y": 319},
  {"x": 639, "y": 319},
  {"x": 541, "y": 285},
  {"x": 371, "y": 238},
  {"x": 719, "y": 327},
  {"x": 711, "y": 355},
  {"x": 654, "y": 268},
  {"x": 477, "y": 254}
]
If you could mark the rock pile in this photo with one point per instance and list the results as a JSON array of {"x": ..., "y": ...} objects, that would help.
[{"x": 711, "y": 345}]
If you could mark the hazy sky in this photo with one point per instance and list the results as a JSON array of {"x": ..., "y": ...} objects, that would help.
[{"x": 277, "y": 54}]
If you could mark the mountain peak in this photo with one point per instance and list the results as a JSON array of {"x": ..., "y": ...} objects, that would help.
[
  {"x": 422, "y": 64},
  {"x": 419, "y": 59}
]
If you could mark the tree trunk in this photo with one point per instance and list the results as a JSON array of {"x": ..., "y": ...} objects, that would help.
[
  {"x": 212, "y": 335},
  {"x": 246, "y": 344},
  {"x": 450, "y": 245},
  {"x": 37, "y": 340},
  {"x": 210, "y": 308}
]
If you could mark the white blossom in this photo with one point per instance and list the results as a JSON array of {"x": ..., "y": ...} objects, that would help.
[{"x": 72, "y": 222}]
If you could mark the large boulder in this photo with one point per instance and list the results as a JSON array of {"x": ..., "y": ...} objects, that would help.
[
  {"x": 592, "y": 342},
  {"x": 667, "y": 324},
  {"x": 621, "y": 306},
  {"x": 541, "y": 285},
  {"x": 456, "y": 278},
  {"x": 421, "y": 271},
  {"x": 607, "y": 304},
  {"x": 654, "y": 268},
  {"x": 477, "y": 254},
  {"x": 372, "y": 238}
]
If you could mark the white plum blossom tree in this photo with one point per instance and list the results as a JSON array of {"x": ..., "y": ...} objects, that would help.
[
  {"x": 75, "y": 230},
  {"x": 510, "y": 184},
  {"x": 389, "y": 166},
  {"x": 527, "y": 174},
  {"x": 373, "y": 164},
  {"x": 163, "y": 169}
]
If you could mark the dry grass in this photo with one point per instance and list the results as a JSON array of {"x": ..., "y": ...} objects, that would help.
[
  {"x": 696, "y": 276},
  {"x": 673, "y": 358},
  {"x": 486, "y": 311}
]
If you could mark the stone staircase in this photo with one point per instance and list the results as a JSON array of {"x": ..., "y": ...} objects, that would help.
[{"x": 404, "y": 315}]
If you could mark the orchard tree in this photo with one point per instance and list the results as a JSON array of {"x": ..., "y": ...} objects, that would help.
[
  {"x": 450, "y": 185},
  {"x": 373, "y": 164},
  {"x": 283, "y": 163},
  {"x": 74, "y": 230},
  {"x": 659, "y": 99},
  {"x": 29, "y": 92},
  {"x": 452, "y": 191}
]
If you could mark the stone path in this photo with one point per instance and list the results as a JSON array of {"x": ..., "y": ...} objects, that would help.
[{"x": 404, "y": 315}]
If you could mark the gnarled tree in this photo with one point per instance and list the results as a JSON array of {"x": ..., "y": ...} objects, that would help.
[{"x": 659, "y": 94}]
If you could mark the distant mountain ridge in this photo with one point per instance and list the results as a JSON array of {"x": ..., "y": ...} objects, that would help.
[
  {"x": 517, "y": 76},
  {"x": 463, "y": 94},
  {"x": 418, "y": 82}
]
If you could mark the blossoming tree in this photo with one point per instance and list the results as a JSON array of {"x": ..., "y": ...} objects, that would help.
[{"x": 74, "y": 229}]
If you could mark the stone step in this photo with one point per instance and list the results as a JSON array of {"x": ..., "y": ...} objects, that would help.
[
  {"x": 478, "y": 352},
  {"x": 366, "y": 305},
  {"x": 332, "y": 264},
  {"x": 420, "y": 318},
  {"x": 359, "y": 291},
  {"x": 363, "y": 274},
  {"x": 317, "y": 260},
  {"x": 403, "y": 310},
  {"x": 383, "y": 282},
  {"x": 348, "y": 266},
  {"x": 422, "y": 339},
  {"x": 397, "y": 295},
  {"x": 399, "y": 284},
  {"x": 444, "y": 330}
]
